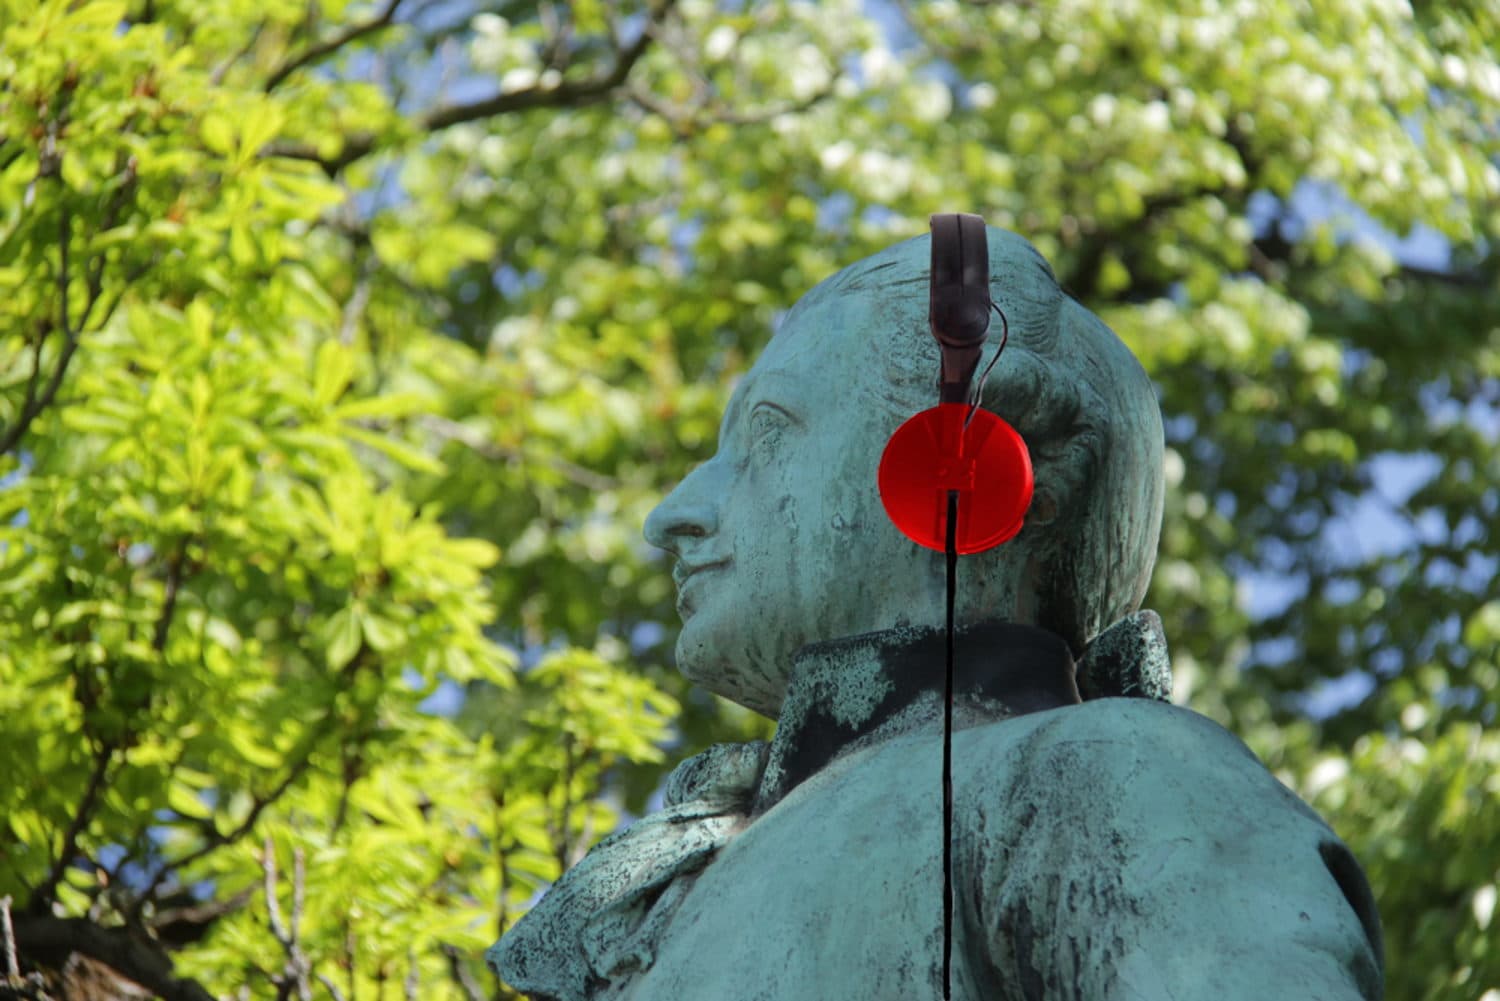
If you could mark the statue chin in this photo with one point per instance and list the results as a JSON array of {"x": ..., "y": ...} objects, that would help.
[{"x": 742, "y": 680}]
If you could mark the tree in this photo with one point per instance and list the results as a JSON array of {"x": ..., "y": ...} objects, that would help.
[
  {"x": 226, "y": 595},
  {"x": 347, "y": 345}
]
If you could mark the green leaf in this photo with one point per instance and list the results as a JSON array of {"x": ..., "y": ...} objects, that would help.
[
  {"x": 341, "y": 636},
  {"x": 382, "y": 634},
  {"x": 410, "y": 457},
  {"x": 333, "y": 371},
  {"x": 187, "y": 802},
  {"x": 218, "y": 133}
]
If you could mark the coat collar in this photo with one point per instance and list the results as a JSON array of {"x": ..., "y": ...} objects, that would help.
[{"x": 851, "y": 693}]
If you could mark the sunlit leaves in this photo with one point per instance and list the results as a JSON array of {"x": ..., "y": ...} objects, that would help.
[
  {"x": 225, "y": 597},
  {"x": 1419, "y": 809}
]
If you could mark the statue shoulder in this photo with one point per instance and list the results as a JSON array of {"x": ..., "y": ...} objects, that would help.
[
  {"x": 1101, "y": 730},
  {"x": 1131, "y": 763},
  {"x": 1128, "y": 820},
  {"x": 1151, "y": 727}
]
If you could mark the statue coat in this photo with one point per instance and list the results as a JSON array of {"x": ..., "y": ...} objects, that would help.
[{"x": 1117, "y": 848}]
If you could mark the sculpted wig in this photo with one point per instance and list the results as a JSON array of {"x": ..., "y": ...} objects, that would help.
[{"x": 1078, "y": 396}]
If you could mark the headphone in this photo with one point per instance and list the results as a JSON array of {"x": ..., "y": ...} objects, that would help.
[
  {"x": 956, "y": 452},
  {"x": 956, "y": 478}
]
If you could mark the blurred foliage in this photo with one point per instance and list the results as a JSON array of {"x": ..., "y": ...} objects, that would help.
[{"x": 344, "y": 347}]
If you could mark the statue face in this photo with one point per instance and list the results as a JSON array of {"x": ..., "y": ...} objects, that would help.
[{"x": 781, "y": 540}]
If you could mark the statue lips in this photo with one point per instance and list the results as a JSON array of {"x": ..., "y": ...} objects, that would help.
[{"x": 683, "y": 573}]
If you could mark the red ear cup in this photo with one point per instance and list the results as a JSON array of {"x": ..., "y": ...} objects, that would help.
[{"x": 986, "y": 462}]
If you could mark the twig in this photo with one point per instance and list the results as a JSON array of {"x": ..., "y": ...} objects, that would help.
[
  {"x": 451, "y": 430},
  {"x": 333, "y": 989},
  {"x": 565, "y": 810},
  {"x": 13, "y": 434},
  {"x": 216, "y": 77},
  {"x": 8, "y": 931},
  {"x": 215, "y": 839},
  {"x": 461, "y": 975},
  {"x": 175, "y": 563},
  {"x": 354, "y": 309},
  {"x": 351, "y": 953},
  {"x": 555, "y": 54},
  {"x": 273, "y": 906},
  {"x": 41, "y": 897},
  {"x": 564, "y": 94},
  {"x": 1459, "y": 279},
  {"x": 94, "y": 272},
  {"x": 286, "y": 932},
  {"x": 351, "y": 759},
  {"x": 35, "y": 404},
  {"x": 11, "y": 157},
  {"x": 325, "y": 48},
  {"x": 502, "y": 917},
  {"x": 687, "y": 119},
  {"x": 299, "y": 891},
  {"x": 163, "y": 922}
]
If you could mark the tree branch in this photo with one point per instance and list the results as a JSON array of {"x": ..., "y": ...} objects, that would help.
[
  {"x": 352, "y": 760},
  {"x": 175, "y": 563},
  {"x": 567, "y": 94},
  {"x": 288, "y": 933},
  {"x": 333, "y": 989},
  {"x": 684, "y": 120},
  {"x": 215, "y": 839},
  {"x": 11, "y": 157},
  {"x": 31, "y": 987},
  {"x": 41, "y": 897},
  {"x": 1083, "y": 276},
  {"x": 562, "y": 844},
  {"x": 412, "y": 983},
  {"x": 219, "y": 72},
  {"x": 23, "y": 420},
  {"x": 34, "y": 404},
  {"x": 1458, "y": 279},
  {"x": 53, "y": 939},
  {"x": 14, "y": 986},
  {"x": 94, "y": 270},
  {"x": 555, "y": 54},
  {"x": 461, "y": 975},
  {"x": 180, "y": 925},
  {"x": 450, "y": 430},
  {"x": 8, "y": 937},
  {"x": 502, "y": 917},
  {"x": 327, "y": 47}
]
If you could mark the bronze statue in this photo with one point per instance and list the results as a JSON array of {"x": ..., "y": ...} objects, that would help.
[{"x": 1105, "y": 844}]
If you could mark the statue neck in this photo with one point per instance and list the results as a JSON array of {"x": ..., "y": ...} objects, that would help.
[{"x": 848, "y": 694}]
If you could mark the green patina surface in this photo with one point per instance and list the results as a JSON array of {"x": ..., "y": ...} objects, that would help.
[{"x": 1119, "y": 847}]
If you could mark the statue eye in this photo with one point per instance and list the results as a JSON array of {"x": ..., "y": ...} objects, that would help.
[{"x": 768, "y": 423}]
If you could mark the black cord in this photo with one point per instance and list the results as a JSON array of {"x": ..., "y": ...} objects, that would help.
[
  {"x": 951, "y": 549},
  {"x": 1004, "y": 340}
]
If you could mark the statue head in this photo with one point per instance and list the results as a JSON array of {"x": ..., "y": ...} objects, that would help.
[{"x": 781, "y": 539}]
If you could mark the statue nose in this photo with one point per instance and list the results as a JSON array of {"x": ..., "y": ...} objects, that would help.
[
  {"x": 669, "y": 523},
  {"x": 686, "y": 513}
]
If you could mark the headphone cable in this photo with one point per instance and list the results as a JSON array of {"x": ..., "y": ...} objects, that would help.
[{"x": 951, "y": 550}]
